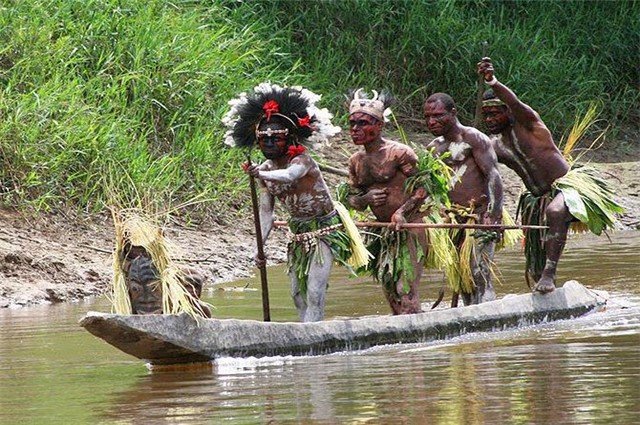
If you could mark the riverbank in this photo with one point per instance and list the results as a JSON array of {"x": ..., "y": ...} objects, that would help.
[{"x": 53, "y": 258}]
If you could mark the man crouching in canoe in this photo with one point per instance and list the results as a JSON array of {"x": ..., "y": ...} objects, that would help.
[
  {"x": 279, "y": 119},
  {"x": 146, "y": 279}
]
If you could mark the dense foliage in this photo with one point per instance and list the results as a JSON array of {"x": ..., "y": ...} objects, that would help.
[{"x": 121, "y": 96}]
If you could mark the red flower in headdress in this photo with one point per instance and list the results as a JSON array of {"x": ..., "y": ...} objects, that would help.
[
  {"x": 271, "y": 107},
  {"x": 295, "y": 150},
  {"x": 304, "y": 121}
]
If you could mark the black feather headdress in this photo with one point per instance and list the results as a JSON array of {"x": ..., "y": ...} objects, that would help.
[{"x": 294, "y": 107}]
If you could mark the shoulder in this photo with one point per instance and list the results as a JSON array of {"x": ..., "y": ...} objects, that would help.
[
  {"x": 303, "y": 159},
  {"x": 476, "y": 138},
  {"x": 356, "y": 157},
  {"x": 401, "y": 151},
  {"x": 394, "y": 146}
]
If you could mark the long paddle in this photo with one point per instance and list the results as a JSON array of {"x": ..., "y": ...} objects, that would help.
[{"x": 261, "y": 258}]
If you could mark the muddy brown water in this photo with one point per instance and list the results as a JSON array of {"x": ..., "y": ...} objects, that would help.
[{"x": 581, "y": 371}]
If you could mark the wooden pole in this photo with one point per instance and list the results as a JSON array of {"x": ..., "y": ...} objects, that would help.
[
  {"x": 437, "y": 225},
  {"x": 477, "y": 118},
  {"x": 333, "y": 170},
  {"x": 266, "y": 314}
]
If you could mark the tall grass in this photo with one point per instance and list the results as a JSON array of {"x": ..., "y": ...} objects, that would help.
[
  {"x": 122, "y": 95},
  {"x": 557, "y": 55},
  {"x": 104, "y": 96}
]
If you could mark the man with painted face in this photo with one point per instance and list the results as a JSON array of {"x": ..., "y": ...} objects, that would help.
[
  {"x": 556, "y": 194},
  {"x": 279, "y": 119},
  {"x": 476, "y": 195},
  {"x": 377, "y": 176}
]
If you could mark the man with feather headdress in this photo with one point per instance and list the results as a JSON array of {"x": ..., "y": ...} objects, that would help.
[
  {"x": 557, "y": 193},
  {"x": 280, "y": 120}
]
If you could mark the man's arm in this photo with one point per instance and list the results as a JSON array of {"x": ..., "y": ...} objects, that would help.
[
  {"x": 407, "y": 163},
  {"x": 266, "y": 199},
  {"x": 400, "y": 216},
  {"x": 296, "y": 169},
  {"x": 522, "y": 112},
  {"x": 267, "y": 206},
  {"x": 486, "y": 160},
  {"x": 362, "y": 198}
]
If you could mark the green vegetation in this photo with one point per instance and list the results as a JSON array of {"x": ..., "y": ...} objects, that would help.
[{"x": 104, "y": 96}]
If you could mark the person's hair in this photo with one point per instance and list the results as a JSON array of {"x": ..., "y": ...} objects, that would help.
[
  {"x": 488, "y": 94},
  {"x": 444, "y": 98},
  {"x": 489, "y": 98}
]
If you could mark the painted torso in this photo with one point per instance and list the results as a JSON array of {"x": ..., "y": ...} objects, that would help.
[
  {"x": 532, "y": 154},
  {"x": 470, "y": 183},
  {"x": 385, "y": 168},
  {"x": 305, "y": 197}
]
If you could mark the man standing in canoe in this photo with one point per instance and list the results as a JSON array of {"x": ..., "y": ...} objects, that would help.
[
  {"x": 476, "y": 195},
  {"x": 557, "y": 194},
  {"x": 377, "y": 177},
  {"x": 279, "y": 120}
]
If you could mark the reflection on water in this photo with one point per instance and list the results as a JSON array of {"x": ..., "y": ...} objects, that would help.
[{"x": 582, "y": 371}]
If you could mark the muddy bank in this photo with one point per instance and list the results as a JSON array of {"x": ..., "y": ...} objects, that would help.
[{"x": 56, "y": 259}]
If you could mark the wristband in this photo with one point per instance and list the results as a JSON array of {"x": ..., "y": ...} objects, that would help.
[{"x": 492, "y": 82}]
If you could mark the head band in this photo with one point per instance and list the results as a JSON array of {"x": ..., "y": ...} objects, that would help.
[
  {"x": 493, "y": 102},
  {"x": 269, "y": 131}
]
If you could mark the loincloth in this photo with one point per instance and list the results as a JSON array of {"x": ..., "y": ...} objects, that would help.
[
  {"x": 589, "y": 200},
  {"x": 307, "y": 235}
]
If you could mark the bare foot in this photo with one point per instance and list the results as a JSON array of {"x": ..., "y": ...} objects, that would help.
[{"x": 545, "y": 285}]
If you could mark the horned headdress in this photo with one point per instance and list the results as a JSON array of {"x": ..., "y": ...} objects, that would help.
[
  {"x": 377, "y": 107},
  {"x": 294, "y": 107}
]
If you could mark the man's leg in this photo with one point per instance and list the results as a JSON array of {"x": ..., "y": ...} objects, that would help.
[
  {"x": 558, "y": 220},
  {"x": 410, "y": 303},
  {"x": 298, "y": 301},
  {"x": 317, "y": 284},
  {"x": 481, "y": 271}
]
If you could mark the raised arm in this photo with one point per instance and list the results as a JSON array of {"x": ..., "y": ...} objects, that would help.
[{"x": 522, "y": 112}]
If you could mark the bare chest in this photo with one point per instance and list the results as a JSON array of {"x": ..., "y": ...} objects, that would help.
[{"x": 375, "y": 170}]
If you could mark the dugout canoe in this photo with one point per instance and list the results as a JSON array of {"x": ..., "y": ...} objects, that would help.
[{"x": 176, "y": 339}]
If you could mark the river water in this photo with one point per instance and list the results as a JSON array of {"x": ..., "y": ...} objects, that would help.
[{"x": 581, "y": 371}]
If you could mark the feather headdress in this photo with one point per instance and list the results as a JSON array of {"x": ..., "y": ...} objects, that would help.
[{"x": 294, "y": 107}]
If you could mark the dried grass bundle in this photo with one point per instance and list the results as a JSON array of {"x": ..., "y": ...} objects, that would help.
[
  {"x": 135, "y": 228},
  {"x": 359, "y": 254},
  {"x": 578, "y": 130}
]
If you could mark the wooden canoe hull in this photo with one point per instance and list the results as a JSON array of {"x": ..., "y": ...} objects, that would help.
[{"x": 176, "y": 339}]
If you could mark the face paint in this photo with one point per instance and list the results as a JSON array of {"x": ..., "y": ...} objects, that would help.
[
  {"x": 144, "y": 287},
  {"x": 438, "y": 119},
  {"x": 496, "y": 118},
  {"x": 272, "y": 139},
  {"x": 364, "y": 128}
]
